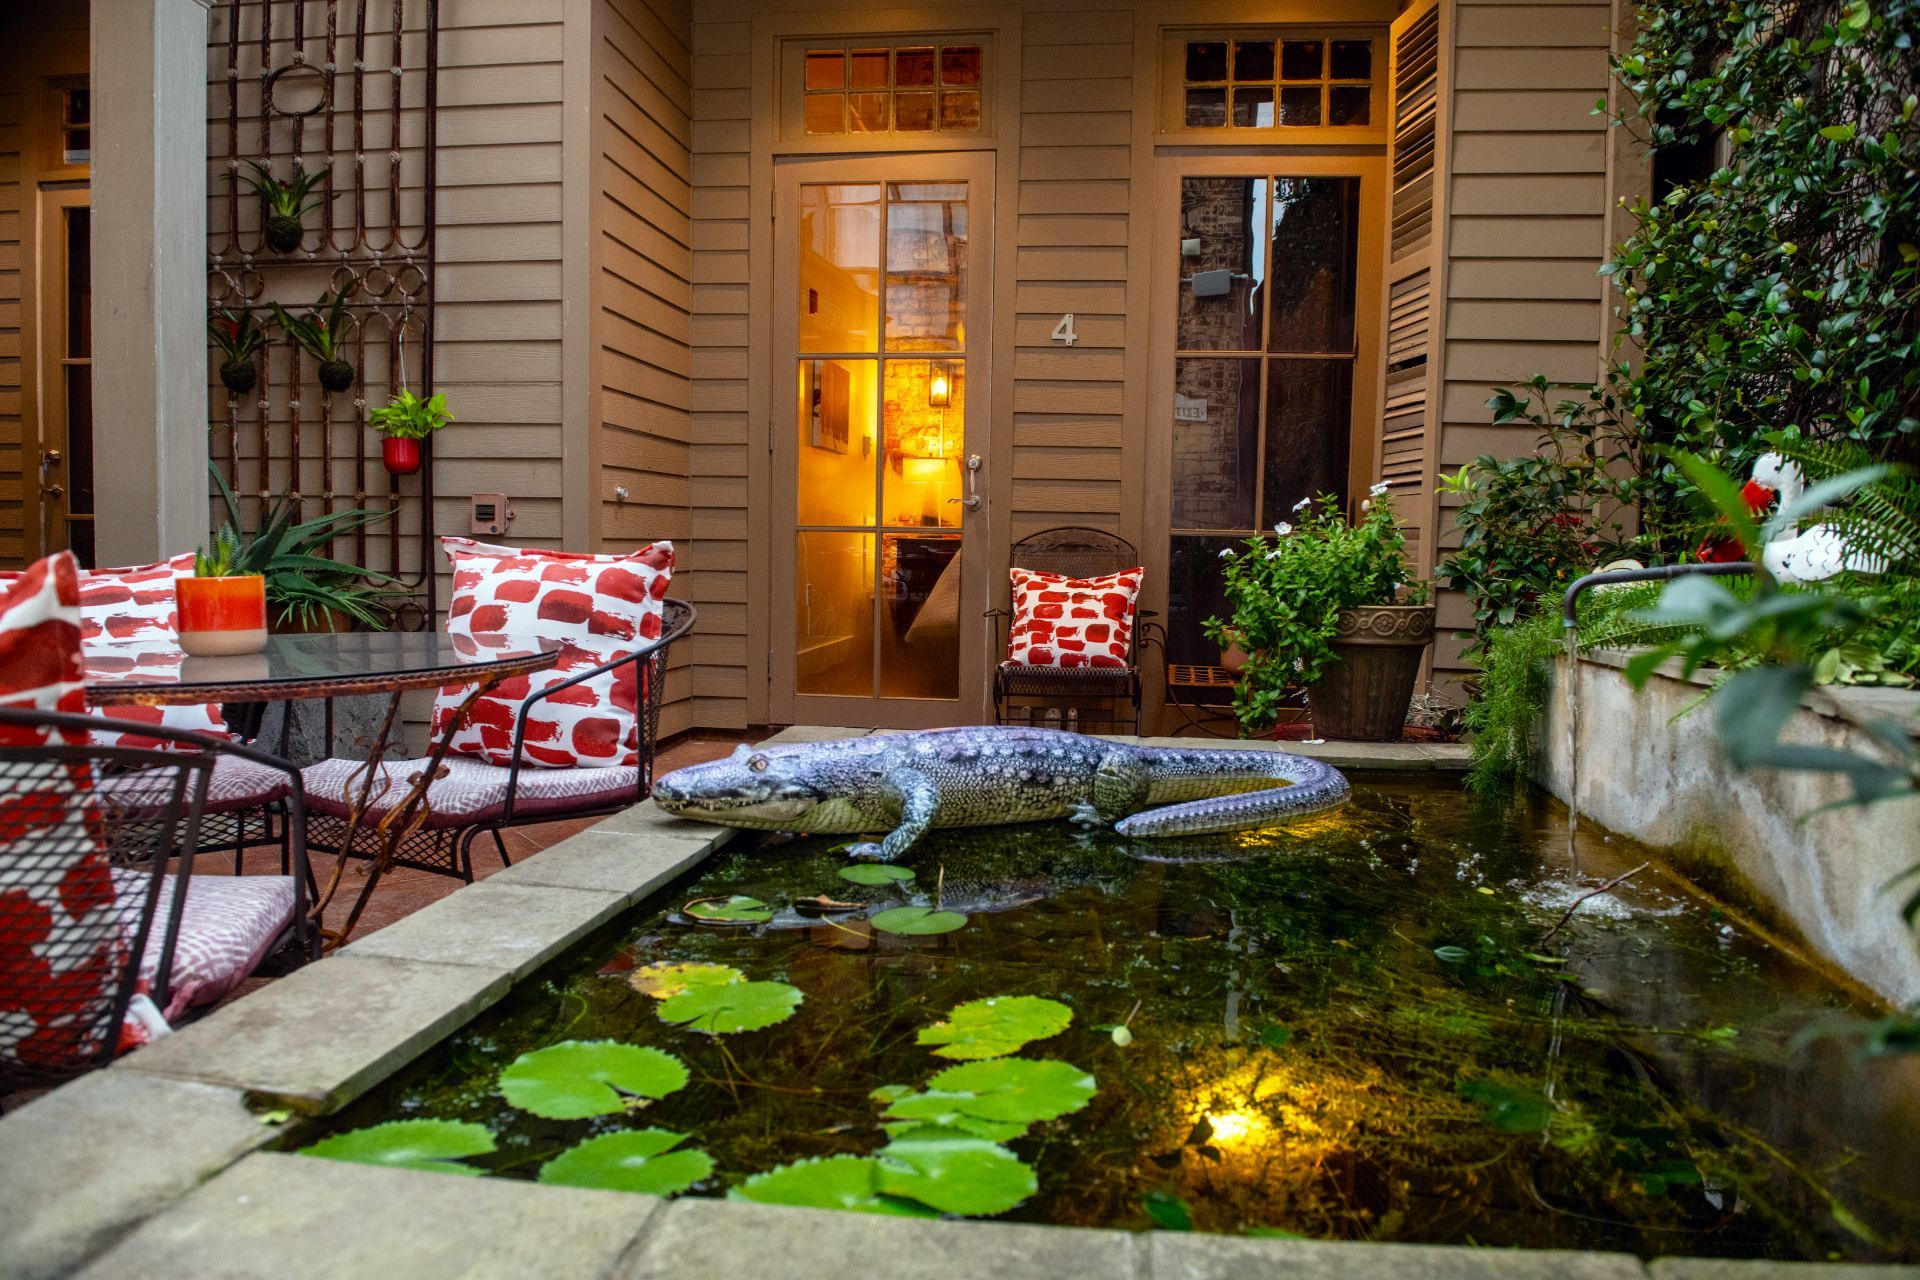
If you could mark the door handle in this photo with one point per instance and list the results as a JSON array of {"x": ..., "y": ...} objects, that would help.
[
  {"x": 971, "y": 502},
  {"x": 52, "y": 491}
]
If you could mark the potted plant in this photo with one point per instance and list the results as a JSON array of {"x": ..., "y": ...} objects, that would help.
[
  {"x": 1328, "y": 605},
  {"x": 238, "y": 337},
  {"x": 283, "y": 205},
  {"x": 222, "y": 608},
  {"x": 403, "y": 423},
  {"x": 320, "y": 336},
  {"x": 306, "y": 589}
]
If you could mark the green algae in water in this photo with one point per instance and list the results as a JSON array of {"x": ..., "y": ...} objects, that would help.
[{"x": 1300, "y": 1058}]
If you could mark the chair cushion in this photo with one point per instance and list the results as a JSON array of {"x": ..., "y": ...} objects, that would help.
[
  {"x": 470, "y": 790},
  {"x": 598, "y": 605},
  {"x": 227, "y": 927},
  {"x": 236, "y": 784},
  {"x": 61, "y": 950},
  {"x": 129, "y": 614},
  {"x": 1072, "y": 622}
]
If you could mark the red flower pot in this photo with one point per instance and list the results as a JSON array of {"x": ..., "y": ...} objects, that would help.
[
  {"x": 402, "y": 456},
  {"x": 220, "y": 616}
]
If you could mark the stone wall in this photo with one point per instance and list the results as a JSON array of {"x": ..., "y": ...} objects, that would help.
[{"x": 1760, "y": 839}]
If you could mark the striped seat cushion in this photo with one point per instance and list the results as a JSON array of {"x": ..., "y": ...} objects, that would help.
[
  {"x": 227, "y": 927},
  {"x": 469, "y": 790}
]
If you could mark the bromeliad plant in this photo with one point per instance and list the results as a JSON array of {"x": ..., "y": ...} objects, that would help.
[
  {"x": 321, "y": 334},
  {"x": 238, "y": 338},
  {"x": 1287, "y": 593},
  {"x": 302, "y": 584},
  {"x": 284, "y": 204}
]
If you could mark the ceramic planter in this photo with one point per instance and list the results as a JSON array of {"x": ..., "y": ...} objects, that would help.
[
  {"x": 1364, "y": 694},
  {"x": 401, "y": 456},
  {"x": 221, "y": 616}
]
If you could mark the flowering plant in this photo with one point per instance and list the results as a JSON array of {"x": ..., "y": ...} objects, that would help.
[{"x": 1287, "y": 592}]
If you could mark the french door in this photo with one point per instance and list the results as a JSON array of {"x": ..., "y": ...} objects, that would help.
[
  {"x": 882, "y": 334},
  {"x": 64, "y": 479}
]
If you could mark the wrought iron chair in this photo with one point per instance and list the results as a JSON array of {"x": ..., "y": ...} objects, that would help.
[
  {"x": 469, "y": 798},
  {"x": 1076, "y": 552},
  {"x": 89, "y": 907}
]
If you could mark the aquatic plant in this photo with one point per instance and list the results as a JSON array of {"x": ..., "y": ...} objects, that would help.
[
  {"x": 664, "y": 978},
  {"x": 579, "y": 1078},
  {"x": 916, "y": 922},
  {"x": 849, "y": 1183},
  {"x": 638, "y": 1160},
  {"x": 876, "y": 873},
  {"x": 430, "y": 1146},
  {"x": 995, "y": 1026},
  {"x": 724, "y": 1008},
  {"x": 734, "y": 909}
]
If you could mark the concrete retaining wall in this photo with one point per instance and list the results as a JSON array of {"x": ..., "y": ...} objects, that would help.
[{"x": 1649, "y": 771}]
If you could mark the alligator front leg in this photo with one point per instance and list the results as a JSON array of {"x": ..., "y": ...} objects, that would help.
[
  {"x": 917, "y": 799},
  {"x": 1120, "y": 786}
]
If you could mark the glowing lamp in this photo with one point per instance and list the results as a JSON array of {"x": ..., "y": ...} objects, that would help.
[
  {"x": 923, "y": 470},
  {"x": 939, "y": 393}
]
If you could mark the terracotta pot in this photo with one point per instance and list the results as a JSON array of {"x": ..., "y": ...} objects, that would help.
[
  {"x": 1233, "y": 657},
  {"x": 221, "y": 616},
  {"x": 401, "y": 456},
  {"x": 1363, "y": 696}
]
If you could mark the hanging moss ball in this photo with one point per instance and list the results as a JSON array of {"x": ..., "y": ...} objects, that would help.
[
  {"x": 336, "y": 375},
  {"x": 238, "y": 375},
  {"x": 284, "y": 233}
]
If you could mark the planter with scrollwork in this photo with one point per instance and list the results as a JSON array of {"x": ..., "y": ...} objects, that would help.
[{"x": 1364, "y": 695}]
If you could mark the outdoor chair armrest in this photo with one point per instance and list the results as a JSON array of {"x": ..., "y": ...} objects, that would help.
[{"x": 648, "y": 651}]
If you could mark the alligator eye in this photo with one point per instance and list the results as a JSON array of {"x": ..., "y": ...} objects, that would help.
[{"x": 758, "y": 764}]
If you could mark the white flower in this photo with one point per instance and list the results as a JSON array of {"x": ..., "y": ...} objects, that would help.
[
  {"x": 1302, "y": 503},
  {"x": 1366, "y": 505},
  {"x": 1225, "y": 552},
  {"x": 1274, "y": 554},
  {"x": 1379, "y": 489},
  {"x": 1283, "y": 528}
]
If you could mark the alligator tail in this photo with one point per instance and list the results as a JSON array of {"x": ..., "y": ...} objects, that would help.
[{"x": 1316, "y": 787}]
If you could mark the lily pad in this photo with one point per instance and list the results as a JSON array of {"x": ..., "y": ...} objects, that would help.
[
  {"x": 1275, "y": 1036},
  {"x": 664, "y": 978},
  {"x": 876, "y": 873},
  {"x": 929, "y": 1114},
  {"x": 432, "y": 1146},
  {"x": 1509, "y": 1109},
  {"x": 965, "y": 1175},
  {"x": 1167, "y": 1211},
  {"x": 722, "y": 1008},
  {"x": 579, "y": 1078},
  {"x": 836, "y": 1182},
  {"x": 1020, "y": 1089},
  {"x": 733, "y": 910},
  {"x": 639, "y": 1160},
  {"x": 915, "y": 922},
  {"x": 996, "y": 1026}
]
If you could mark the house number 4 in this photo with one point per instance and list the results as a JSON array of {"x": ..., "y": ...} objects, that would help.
[{"x": 1063, "y": 332}]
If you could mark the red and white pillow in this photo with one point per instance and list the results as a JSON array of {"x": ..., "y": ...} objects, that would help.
[
  {"x": 1072, "y": 622},
  {"x": 61, "y": 948},
  {"x": 601, "y": 607},
  {"x": 129, "y": 621}
]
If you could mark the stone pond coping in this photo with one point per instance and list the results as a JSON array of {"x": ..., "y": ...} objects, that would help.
[{"x": 161, "y": 1165}]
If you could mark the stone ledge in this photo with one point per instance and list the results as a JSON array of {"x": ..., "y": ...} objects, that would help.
[
  {"x": 320, "y": 1037},
  {"x": 1191, "y": 1256},
  {"x": 632, "y": 866},
  {"x": 1768, "y": 1269},
  {"x": 295, "y": 1218},
  {"x": 510, "y": 929},
  {"x": 85, "y": 1163}
]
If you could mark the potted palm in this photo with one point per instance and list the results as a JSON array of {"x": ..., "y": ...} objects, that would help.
[
  {"x": 320, "y": 334},
  {"x": 1330, "y": 605},
  {"x": 403, "y": 423},
  {"x": 305, "y": 589},
  {"x": 284, "y": 205},
  {"x": 238, "y": 338}
]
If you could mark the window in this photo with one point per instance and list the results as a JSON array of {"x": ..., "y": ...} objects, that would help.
[
  {"x": 76, "y": 133},
  {"x": 913, "y": 87},
  {"x": 1273, "y": 82}
]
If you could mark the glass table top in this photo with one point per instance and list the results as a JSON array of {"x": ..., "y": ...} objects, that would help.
[{"x": 308, "y": 666}]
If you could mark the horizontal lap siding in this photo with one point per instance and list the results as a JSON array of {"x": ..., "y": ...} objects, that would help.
[
  {"x": 718, "y": 434},
  {"x": 13, "y": 439},
  {"x": 1527, "y": 229},
  {"x": 642, "y": 269},
  {"x": 1077, "y": 98}
]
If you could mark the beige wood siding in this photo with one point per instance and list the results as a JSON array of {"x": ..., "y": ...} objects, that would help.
[
  {"x": 1527, "y": 225},
  {"x": 640, "y": 345},
  {"x": 14, "y": 449}
]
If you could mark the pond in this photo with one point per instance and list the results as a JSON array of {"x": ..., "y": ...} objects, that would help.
[{"x": 1361, "y": 1027}]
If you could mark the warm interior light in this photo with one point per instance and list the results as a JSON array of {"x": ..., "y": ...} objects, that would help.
[
  {"x": 937, "y": 393},
  {"x": 923, "y": 470}
]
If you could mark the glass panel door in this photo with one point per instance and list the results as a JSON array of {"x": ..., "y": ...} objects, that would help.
[
  {"x": 879, "y": 365},
  {"x": 65, "y": 465}
]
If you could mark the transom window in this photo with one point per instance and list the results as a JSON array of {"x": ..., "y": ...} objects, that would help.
[
  {"x": 1271, "y": 81},
  {"x": 906, "y": 88},
  {"x": 76, "y": 126}
]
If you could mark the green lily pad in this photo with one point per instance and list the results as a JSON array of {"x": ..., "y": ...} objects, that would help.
[
  {"x": 432, "y": 1146},
  {"x": 1017, "y": 1089},
  {"x": 1167, "y": 1211},
  {"x": 726, "y": 1007},
  {"x": 876, "y": 873},
  {"x": 639, "y": 1160},
  {"x": 1275, "y": 1036},
  {"x": 964, "y": 1175},
  {"x": 930, "y": 1115},
  {"x": 836, "y": 1182},
  {"x": 1509, "y": 1109},
  {"x": 733, "y": 910},
  {"x": 664, "y": 978},
  {"x": 579, "y": 1078},
  {"x": 915, "y": 922},
  {"x": 996, "y": 1026}
]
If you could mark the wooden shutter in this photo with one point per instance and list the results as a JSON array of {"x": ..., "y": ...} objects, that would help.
[{"x": 1413, "y": 303}]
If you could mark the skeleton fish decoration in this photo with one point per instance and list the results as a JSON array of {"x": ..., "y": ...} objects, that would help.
[{"x": 908, "y": 783}]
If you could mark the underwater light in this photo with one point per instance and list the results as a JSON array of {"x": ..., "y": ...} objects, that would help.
[{"x": 1235, "y": 1126}]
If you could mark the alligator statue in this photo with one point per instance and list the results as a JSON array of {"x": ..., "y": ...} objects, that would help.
[{"x": 909, "y": 783}]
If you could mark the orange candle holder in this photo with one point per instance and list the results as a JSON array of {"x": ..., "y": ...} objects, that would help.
[{"x": 222, "y": 616}]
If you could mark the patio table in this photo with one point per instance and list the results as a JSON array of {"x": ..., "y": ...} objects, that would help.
[{"x": 326, "y": 666}]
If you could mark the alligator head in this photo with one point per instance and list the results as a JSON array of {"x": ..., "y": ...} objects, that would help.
[{"x": 750, "y": 788}]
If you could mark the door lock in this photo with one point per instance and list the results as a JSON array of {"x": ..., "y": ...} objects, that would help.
[
  {"x": 972, "y": 501},
  {"x": 49, "y": 460},
  {"x": 52, "y": 491}
]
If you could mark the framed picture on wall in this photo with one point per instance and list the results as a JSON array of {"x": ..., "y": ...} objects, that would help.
[{"x": 829, "y": 400}]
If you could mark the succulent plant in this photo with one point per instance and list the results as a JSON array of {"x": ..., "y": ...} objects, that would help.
[
  {"x": 302, "y": 584},
  {"x": 284, "y": 204},
  {"x": 238, "y": 337},
  {"x": 318, "y": 333}
]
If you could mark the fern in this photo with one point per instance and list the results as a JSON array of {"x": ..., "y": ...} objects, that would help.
[{"x": 1881, "y": 519}]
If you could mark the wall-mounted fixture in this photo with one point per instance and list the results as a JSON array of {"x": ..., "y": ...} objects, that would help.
[
  {"x": 940, "y": 388},
  {"x": 491, "y": 513}
]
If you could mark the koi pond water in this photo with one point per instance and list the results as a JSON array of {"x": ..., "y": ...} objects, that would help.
[{"x": 1366, "y": 1026}]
